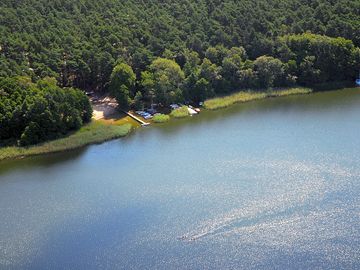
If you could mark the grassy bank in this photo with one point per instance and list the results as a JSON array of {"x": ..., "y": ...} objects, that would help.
[
  {"x": 95, "y": 132},
  {"x": 245, "y": 96}
]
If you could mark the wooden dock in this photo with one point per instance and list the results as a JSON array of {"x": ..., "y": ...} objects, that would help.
[{"x": 143, "y": 123}]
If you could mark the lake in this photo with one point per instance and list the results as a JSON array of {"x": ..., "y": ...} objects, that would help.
[{"x": 271, "y": 184}]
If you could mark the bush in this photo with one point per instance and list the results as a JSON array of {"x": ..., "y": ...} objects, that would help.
[
  {"x": 180, "y": 112},
  {"x": 161, "y": 118},
  {"x": 31, "y": 134}
]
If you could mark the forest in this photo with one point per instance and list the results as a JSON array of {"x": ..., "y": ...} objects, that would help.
[
  {"x": 31, "y": 113},
  {"x": 175, "y": 51}
]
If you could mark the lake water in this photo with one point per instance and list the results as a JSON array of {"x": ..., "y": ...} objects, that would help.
[{"x": 272, "y": 184}]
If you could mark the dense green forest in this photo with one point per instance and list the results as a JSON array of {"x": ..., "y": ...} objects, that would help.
[
  {"x": 79, "y": 42},
  {"x": 168, "y": 51}
]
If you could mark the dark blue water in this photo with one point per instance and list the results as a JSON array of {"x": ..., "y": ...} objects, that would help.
[{"x": 272, "y": 184}]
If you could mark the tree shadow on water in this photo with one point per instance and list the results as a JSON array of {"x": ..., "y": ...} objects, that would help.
[{"x": 44, "y": 160}]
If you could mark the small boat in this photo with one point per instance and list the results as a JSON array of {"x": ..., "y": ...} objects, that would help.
[
  {"x": 191, "y": 111},
  {"x": 195, "y": 109}
]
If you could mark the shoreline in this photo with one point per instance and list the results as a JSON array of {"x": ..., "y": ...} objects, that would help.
[
  {"x": 247, "y": 96},
  {"x": 98, "y": 131},
  {"x": 95, "y": 132}
]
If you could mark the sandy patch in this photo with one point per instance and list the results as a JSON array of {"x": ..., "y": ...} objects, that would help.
[{"x": 103, "y": 107}]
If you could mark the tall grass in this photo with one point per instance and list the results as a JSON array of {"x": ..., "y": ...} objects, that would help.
[
  {"x": 94, "y": 132},
  {"x": 180, "y": 112},
  {"x": 289, "y": 92},
  {"x": 223, "y": 102},
  {"x": 245, "y": 96}
]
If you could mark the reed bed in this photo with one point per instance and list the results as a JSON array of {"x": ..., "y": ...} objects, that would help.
[
  {"x": 246, "y": 96},
  {"x": 94, "y": 132}
]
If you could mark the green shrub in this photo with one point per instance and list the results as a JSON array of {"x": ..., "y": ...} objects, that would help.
[
  {"x": 180, "y": 112},
  {"x": 161, "y": 118}
]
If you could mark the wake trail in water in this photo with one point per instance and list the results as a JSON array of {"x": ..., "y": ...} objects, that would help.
[{"x": 306, "y": 186}]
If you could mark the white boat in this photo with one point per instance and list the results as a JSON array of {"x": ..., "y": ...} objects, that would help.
[{"x": 191, "y": 111}]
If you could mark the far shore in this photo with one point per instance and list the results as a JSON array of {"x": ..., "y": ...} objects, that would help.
[{"x": 113, "y": 125}]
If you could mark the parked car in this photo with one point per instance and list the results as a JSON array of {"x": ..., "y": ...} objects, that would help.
[
  {"x": 174, "y": 106},
  {"x": 151, "y": 111},
  {"x": 147, "y": 116}
]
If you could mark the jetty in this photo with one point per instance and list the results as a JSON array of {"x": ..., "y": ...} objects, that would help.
[{"x": 143, "y": 123}]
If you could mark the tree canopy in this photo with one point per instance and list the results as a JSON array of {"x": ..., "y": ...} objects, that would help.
[
  {"x": 31, "y": 113},
  {"x": 122, "y": 82},
  {"x": 79, "y": 42},
  {"x": 168, "y": 78},
  {"x": 162, "y": 51}
]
